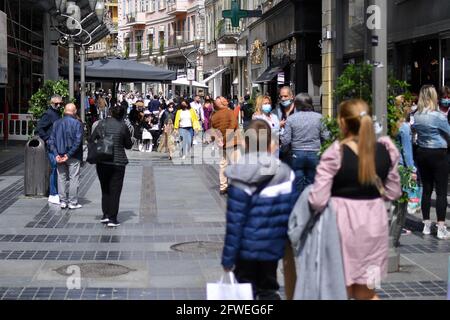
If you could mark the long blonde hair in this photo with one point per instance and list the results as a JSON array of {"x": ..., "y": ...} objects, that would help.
[
  {"x": 428, "y": 99},
  {"x": 356, "y": 116}
]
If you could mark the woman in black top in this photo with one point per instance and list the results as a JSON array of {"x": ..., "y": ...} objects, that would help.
[
  {"x": 356, "y": 176},
  {"x": 111, "y": 173}
]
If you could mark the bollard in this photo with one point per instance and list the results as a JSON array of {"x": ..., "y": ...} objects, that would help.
[{"x": 37, "y": 168}]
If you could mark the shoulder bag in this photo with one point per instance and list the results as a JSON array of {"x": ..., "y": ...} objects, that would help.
[{"x": 101, "y": 149}]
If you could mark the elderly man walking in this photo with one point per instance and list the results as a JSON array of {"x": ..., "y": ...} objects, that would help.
[
  {"x": 66, "y": 146},
  {"x": 226, "y": 123}
]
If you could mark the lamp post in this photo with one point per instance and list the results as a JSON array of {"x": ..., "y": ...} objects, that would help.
[
  {"x": 189, "y": 63},
  {"x": 70, "y": 26}
]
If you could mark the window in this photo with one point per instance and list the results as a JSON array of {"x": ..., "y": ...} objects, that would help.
[
  {"x": 354, "y": 27},
  {"x": 150, "y": 43},
  {"x": 138, "y": 41},
  {"x": 142, "y": 6}
]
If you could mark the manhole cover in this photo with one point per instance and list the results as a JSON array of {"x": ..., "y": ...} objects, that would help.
[
  {"x": 198, "y": 247},
  {"x": 95, "y": 270}
]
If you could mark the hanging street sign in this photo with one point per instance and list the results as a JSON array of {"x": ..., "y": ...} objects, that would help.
[
  {"x": 190, "y": 74},
  {"x": 236, "y": 14}
]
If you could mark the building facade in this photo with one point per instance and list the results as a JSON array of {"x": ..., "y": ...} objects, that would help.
[
  {"x": 107, "y": 47},
  {"x": 418, "y": 42},
  {"x": 163, "y": 33},
  {"x": 32, "y": 54}
]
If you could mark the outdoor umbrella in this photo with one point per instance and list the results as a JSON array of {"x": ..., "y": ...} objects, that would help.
[{"x": 122, "y": 70}]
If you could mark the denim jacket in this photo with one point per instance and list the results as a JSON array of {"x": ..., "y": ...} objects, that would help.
[
  {"x": 405, "y": 141},
  {"x": 432, "y": 129}
]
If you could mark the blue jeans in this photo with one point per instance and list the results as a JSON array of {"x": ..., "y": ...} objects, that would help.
[
  {"x": 53, "y": 174},
  {"x": 304, "y": 164},
  {"x": 186, "y": 135}
]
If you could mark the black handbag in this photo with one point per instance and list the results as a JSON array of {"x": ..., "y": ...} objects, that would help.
[{"x": 101, "y": 148}]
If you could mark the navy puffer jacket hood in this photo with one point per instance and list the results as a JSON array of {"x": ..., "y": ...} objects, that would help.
[{"x": 261, "y": 196}]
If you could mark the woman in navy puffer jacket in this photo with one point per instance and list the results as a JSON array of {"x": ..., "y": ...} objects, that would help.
[{"x": 260, "y": 199}]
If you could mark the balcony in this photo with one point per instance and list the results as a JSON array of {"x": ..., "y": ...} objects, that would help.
[
  {"x": 136, "y": 19},
  {"x": 225, "y": 30},
  {"x": 177, "y": 7}
]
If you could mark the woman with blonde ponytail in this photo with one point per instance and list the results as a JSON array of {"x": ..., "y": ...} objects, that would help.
[{"x": 357, "y": 175}]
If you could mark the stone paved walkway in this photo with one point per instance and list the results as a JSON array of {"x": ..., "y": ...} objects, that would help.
[{"x": 168, "y": 246}]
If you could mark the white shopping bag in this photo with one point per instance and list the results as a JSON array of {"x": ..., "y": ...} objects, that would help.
[{"x": 229, "y": 291}]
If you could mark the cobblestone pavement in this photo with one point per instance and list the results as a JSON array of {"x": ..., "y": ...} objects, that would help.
[{"x": 168, "y": 246}]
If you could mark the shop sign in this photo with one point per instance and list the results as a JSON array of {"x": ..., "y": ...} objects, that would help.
[
  {"x": 191, "y": 74},
  {"x": 257, "y": 52},
  {"x": 231, "y": 50}
]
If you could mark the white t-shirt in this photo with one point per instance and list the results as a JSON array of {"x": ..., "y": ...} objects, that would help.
[
  {"x": 198, "y": 109},
  {"x": 185, "y": 119}
]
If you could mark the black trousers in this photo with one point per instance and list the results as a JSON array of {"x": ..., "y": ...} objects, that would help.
[
  {"x": 262, "y": 275},
  {"x": 433, "y": 169},
  {"x": 111, "y": 181}
]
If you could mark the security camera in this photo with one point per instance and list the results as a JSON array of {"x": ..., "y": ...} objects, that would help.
[{"x": 63, "y": 40}]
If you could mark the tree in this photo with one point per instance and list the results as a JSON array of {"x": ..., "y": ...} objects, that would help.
[{"x": 355, "y": 82}]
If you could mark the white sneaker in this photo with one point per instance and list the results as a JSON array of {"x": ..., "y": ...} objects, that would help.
[
  {"x": 75, "y": 206},
  {"x": 113, "y": 224},
  {"x": 426, "y": 227},
  {"x": 54, "y": 199},
  {"x": 183, "y": 157},
  {"x": 63, "y": 205},
  {"x": 443, "y": 233}
]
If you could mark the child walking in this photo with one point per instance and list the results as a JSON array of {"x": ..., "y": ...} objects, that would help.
[{"x": 260, "y": 200}]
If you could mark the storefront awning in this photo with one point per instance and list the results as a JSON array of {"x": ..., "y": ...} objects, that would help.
[
  {"x": 182, "y": 81},
  {"x": 270, "y": 73},
  {"x": 214, "y": 75}
]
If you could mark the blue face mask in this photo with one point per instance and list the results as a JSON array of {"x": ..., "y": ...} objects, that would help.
[
  {"x": 266, "y": 108},
  {"x": 286, "y": 103},
  {"x": 445, "y": 102}
]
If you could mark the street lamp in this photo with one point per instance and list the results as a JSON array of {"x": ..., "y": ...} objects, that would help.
[
  {"x": 69, "y": 13},
  {"x": 190, "y": 63},
  {"x": 100, "y": 10}
]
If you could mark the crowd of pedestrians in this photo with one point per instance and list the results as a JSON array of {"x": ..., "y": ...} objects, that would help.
[{"x": 272, "y": 171}]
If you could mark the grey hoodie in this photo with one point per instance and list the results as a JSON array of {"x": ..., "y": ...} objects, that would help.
[{"x": 256, "y": 169}]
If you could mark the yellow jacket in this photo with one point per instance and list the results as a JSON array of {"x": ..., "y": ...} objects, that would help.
[{"x": 195, "y": 123}]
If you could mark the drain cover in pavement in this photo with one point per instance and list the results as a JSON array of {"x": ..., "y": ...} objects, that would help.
[
  {"x": 198, "y": 247},
  {"x": 95, "y": 270}
]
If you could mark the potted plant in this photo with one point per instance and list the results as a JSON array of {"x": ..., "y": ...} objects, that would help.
[
  {"x": 127, "y": 51},
  {"x": 161, "y": 47},
  {"x": 139, "y": 50},
  {"x": 150, "y": 49}
]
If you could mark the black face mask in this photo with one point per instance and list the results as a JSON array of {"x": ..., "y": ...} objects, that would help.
[{"x": 57, "y": 107}]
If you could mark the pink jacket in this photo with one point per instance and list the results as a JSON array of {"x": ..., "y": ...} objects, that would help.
[{"x": 330, "y": 164}]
